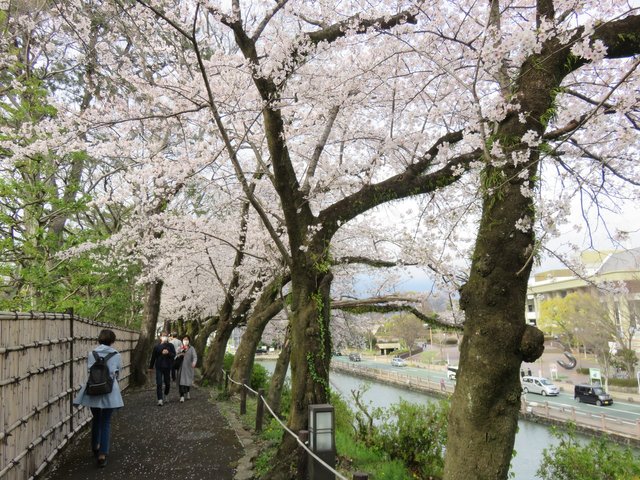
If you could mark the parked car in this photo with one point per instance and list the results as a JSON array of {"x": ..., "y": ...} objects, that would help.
[
  {"x": 539, "y": 385},
  {"x": 354, "y": 357},
  {"x": 398, "y": 362},
  {"x": 592, "y": 394},
  {"x": 452, "y": 371}
]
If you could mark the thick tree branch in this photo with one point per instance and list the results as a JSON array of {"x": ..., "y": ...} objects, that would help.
[
  {"x": 389, "y": 305},
  {"x": 621, "y": 37},
  {"x": 372, "y": 262},
  {"x": 408, "y": 183},
  {"x": 360, "y": 25}
]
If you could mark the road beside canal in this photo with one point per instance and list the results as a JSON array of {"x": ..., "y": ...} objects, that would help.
[{"x": 621, "y": 421}]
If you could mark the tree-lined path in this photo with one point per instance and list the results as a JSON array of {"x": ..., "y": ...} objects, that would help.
[
  {"x": 179, "y": 440},
  {"x": 215, "y": 164}
]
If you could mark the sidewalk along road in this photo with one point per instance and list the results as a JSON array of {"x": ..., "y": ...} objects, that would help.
[{"x": 178, "y": 440}]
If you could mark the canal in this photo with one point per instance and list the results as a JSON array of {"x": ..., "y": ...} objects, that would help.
[{"x": 531, "y": 440}]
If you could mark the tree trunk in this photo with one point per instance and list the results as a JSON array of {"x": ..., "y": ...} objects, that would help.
[
  {"x": 212, "y": 365},
  {"x": 280, "y": 374},
  {"x": 310, "y": 358},
  {"x": 485, "y": 403},
  {"x": 200, "y": 340},
  {"x": 245, "y": 355},
  {"x": 142, "y": 351}
]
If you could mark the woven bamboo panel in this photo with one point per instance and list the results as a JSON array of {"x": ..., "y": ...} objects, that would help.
[{"x": 43, "y": 363}]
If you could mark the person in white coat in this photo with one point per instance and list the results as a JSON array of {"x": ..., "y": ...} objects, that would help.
[
  {"x": 103, "y": 406},
  {"x": 187, "y": 369}
]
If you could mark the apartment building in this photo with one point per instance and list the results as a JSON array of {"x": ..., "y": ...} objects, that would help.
[{"x": 600, "y": 268}]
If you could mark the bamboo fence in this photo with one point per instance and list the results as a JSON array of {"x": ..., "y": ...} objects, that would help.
[{"x": 43, "y": 364}]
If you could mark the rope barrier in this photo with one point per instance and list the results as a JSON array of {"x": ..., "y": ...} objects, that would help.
[{"x": 287, "y": 429}]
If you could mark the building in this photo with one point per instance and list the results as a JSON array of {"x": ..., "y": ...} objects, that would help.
[{"x": 622, "y": 267}]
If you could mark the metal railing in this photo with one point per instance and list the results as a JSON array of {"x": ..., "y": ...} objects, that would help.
[
  {"x": 42, "y": 366},
  {"x": 599, "y": 422},
  {"x": 396, "y": 378},
  {"x": 301, "y": 437}
]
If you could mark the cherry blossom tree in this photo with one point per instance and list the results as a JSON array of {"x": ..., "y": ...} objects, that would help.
[
  {"x": 267, "y": 92},
  {"x": 538, "y": 64}
]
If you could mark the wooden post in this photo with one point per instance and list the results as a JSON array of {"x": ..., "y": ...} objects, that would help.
[
  {"x": 260, "y": 410},
  {"x": 71, "y": 364},
  {"x": 303, "y": 436},
  {"x": 243, "y": 398},
  {"x": 360, "y": 476}
]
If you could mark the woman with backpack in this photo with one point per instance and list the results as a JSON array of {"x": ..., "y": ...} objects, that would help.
[{"x": 102, "y": 392}]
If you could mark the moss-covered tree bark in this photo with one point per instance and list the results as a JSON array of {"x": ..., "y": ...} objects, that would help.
[
  {"x": 274, "y": 395},
  {"x": 268, "y": 306},
  {"x": 484, "y": 413}
]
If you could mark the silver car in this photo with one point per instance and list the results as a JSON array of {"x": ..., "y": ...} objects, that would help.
[
  {"x": 398, "y": 362},
  {"x": 539, "y": 385}
]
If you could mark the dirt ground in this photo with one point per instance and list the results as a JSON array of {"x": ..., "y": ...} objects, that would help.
[{"x": 189, "y": 440}]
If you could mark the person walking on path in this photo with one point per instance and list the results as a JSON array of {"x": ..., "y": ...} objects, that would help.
[
  {"x": 102, "y": 406},
  {"x": 177, "y": 345},
  {"x": 162, "y": 360},
  {"x": 187, "y": 369}
]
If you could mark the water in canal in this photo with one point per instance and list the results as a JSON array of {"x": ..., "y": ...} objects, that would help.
[{"x": 531, "y": 439}]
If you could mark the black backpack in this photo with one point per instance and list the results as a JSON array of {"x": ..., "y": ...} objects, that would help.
[{"x": 100, "y": 381}]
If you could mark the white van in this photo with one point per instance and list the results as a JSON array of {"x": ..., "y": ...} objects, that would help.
[
  {"x": 539, "y": 385},
  {"x": 452, "y": 371}
]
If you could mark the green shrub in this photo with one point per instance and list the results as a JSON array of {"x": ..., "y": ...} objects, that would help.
[
  {"x": 417, "y": 435},
  {"x": 343, "y": 415},
  {"x": 227, "y": 361},
  {"x": 582, "y": 370},
  {"x": 355, "y": 456},
  {"x": 600, "y": 459},
  {"x": 259, "y": 377},
  {"x": 451, "y": 341},
  {"x": 624, "y": 382},
  {"x": 259, "y": 374}
]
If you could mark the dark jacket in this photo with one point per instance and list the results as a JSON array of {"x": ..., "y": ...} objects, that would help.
[{"x": 160, "y": 361}]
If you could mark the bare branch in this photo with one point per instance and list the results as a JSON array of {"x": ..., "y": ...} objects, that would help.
[
  {"x": 267, "y": 18},
  {"x": 317, "y": 152}
]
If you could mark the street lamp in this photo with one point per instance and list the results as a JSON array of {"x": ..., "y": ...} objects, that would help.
[{"x": 322, "y": 441}]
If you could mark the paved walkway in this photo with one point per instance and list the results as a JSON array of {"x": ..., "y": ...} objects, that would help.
[{"x": 190, "y": 440}]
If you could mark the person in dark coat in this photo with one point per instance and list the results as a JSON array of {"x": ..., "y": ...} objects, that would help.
[{"x": 162, "y": 360}]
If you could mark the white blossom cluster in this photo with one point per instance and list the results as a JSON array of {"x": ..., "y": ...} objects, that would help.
[{"x": 168, "y": 113}]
